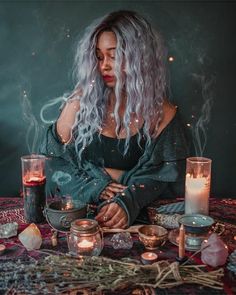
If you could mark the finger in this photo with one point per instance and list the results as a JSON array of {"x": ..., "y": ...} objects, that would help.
[
  {"x": 103, "y": 212},
  {"x": 115, "y": 189},
  {"x": 115, "y": 213},
  {"x": 117, "y": 185},
  {"x": 122, "y": 223},
  {"x": 103, "y": 196},
  {"x": 105, "y": 216},
  {"x": 109, "y": 193}
]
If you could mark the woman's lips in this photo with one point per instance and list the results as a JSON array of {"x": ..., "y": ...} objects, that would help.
[{"x": 108, "y": 78}]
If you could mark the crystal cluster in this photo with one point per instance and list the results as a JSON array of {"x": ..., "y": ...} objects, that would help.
[
  {"x": 8, "y": 230},
  {"x": 122, "y": 240}
]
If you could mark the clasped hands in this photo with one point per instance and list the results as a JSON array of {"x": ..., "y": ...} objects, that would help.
[{"x": 112, "y": 215}]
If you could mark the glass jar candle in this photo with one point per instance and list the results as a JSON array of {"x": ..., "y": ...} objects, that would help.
[
  {"x": 197, "y": 185},
  {"x": 85, "y": 238}
]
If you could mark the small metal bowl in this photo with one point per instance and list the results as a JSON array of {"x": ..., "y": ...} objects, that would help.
[
  {"x": 60, "y": 219},
  {"x": 196, "y": 223},
  {"x": 152, "y": 236}
]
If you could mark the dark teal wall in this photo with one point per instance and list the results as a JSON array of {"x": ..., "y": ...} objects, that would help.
[{"x": 36, "y": 53}]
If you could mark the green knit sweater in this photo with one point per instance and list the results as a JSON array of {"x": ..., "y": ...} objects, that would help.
[{"x": 160, "y": 172}]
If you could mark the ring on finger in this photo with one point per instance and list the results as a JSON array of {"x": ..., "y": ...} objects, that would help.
[{"x": 105, "y": 218}]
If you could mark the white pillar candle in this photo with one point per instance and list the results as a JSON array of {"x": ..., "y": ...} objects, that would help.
[{"x": 197, "y": 191}]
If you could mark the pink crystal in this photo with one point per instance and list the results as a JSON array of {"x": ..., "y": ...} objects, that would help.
[{"x": 214, "y": 252}]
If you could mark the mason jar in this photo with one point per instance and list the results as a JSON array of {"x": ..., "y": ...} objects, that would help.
[{"x": 85, "y": 238}]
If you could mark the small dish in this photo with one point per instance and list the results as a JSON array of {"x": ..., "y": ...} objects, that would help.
[
  {"x": 152, "y": 236},
  {"x": 196, "y": 223}
]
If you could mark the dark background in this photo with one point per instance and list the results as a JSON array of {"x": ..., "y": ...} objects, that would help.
[{"x": 37, "y": 40}]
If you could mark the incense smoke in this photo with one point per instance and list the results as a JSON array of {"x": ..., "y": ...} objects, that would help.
[
  {"x": 199, "y": 130},
  {"x": 34, "y": 130},
  {"x": 61, "y": 178}
]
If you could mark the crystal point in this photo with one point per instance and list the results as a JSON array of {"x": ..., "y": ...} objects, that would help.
[
  {"x": 214, "y": 252},
  {"x": 31, "y": 237}
]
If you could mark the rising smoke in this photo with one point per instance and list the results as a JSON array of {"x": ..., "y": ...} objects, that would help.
[
  {"x": 200, "y": 129},
  {"x": 34, "y": 130}
]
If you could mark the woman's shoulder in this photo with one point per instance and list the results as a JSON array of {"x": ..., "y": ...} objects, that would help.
[{"x": 168, "y": 115}]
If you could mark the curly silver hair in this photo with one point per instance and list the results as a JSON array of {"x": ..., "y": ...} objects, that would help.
[{"x": 145, "y": 81}]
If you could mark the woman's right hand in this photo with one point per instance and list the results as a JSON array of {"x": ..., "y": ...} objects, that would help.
[{"x": 111, "y": 190}]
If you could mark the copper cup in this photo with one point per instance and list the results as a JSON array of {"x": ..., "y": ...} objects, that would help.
[{"x": 152, "y": 236}]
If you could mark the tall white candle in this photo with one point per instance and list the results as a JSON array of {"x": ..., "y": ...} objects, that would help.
[{"x": 197, "y": 191}]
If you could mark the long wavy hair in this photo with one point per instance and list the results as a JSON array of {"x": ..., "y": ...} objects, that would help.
[{"x": 145, "y": 80}]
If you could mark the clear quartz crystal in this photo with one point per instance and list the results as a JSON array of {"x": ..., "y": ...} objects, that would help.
[
  {"x": 8, "y": 230},
  {"x": 31, "y": 237},
  {"x": 122, "y": 240}
]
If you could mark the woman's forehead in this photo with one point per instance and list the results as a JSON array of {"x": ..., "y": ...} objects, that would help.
[{"x": 106, "y": 40}]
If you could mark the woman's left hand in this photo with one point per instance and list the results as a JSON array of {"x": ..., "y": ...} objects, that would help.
[{"x": 112, "y": 215}]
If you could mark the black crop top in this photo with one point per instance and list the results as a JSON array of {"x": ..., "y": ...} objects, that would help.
[{"x": 107, "y": 152}]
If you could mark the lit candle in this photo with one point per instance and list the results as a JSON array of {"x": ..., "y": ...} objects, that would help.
[
  {"x": 67, "y": 206},
  {"x": 85, "y": 246},
  {"x": 67, "y": 203},
  {"x": 197, "y": 185},
  {"x": 2, "y": 249},
  {"x": 181, "y": 242},
  {"x": 197, "y": 195},
  {"x": 148, "y": 257}
]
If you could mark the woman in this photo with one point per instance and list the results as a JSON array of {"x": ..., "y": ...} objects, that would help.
[{"x": 117, "y": 137}]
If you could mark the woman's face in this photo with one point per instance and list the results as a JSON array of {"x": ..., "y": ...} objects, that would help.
[{"x": 105, "y": 52}]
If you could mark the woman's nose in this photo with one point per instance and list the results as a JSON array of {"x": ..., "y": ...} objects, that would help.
[{"x": 106, "y": 64}]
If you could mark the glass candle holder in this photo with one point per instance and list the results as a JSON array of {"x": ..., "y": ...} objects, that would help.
[
  {"x": 34, "y": 181},
  {"x": 197, "y": 185},
  {"x": 85, "y": 238}
]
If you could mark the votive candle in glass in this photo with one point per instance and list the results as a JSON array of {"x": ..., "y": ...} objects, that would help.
[{"x": 85, "y": 238}]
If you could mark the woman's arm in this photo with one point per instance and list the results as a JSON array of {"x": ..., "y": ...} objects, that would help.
[
  {"x": 160, "y": 171},
  {"x": 67, "y": 120},
  {"x": 84, "y": 183}
]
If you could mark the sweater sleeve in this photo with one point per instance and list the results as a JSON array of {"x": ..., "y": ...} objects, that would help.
[
  {"x": 160, "y": 172},
  {"x": 83, "y": 182}
]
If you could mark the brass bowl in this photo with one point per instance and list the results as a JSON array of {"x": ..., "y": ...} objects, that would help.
[
  {"x": 152, "y": 236},
  {"x": 59, "y": 218}
]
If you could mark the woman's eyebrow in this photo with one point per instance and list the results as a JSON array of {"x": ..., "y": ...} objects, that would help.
[{"x": 111, "y": 48}]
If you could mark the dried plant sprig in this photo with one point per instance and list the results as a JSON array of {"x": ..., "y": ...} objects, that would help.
[{"x": 60, "y": 274}]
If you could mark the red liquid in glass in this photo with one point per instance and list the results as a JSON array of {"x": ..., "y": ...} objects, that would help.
[{"x": 34, "y": 199}]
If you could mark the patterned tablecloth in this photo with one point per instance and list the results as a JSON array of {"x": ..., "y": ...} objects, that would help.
[{"x": 222, "y": 210}]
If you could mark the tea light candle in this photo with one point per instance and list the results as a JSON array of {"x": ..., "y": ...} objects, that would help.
[
  {"x": 149, "y": 257},
  {"x": 85, "y": 245},
  {"x": 67, "y": 203},
  {"x": 2, "y": 249}
]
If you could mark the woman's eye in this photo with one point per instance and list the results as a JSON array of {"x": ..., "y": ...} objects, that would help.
[{"x": 99, "y": 57}]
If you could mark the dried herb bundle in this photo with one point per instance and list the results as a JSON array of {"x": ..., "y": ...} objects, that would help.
[{"x": 61, "y": 274}]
